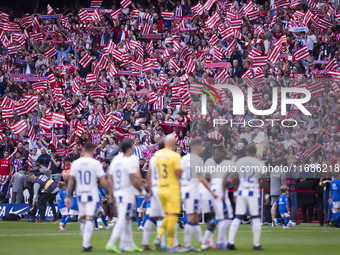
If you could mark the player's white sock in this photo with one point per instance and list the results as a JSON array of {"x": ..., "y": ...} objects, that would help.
[
  {"x": 208, "y": 235},
  {"x": 146, "y": 232},
  {"x": 233, "y": 230},
  {"x": 88, "y": 229},
  {"x": 82, "y": 225},
  {"x": 198, "y": 233},
  {"x": 256, "y": 231},
  {"x": 159, "y": 224},
  {"x": 176, "y": 243},
  {"x": 188, "y": 231},
  {"x": 124, "y": 242},
  {"x": 222, "y": 231},
  {"x": 118, "y": 229},
  {"x": 129, "y": 235}
]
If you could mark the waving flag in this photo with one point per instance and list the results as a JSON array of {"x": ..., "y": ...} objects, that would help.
[
  {"x": 58, "y": 118},
  {"x": 213, "y": 20},
  {"x": 96, "y": 4},
  {"x": 125, "y": 3},
  {"x": 167, "y": 15},
  {"x": 274, "y": 54},
  {"x": 208, "y": 4},
  {"x": 301, "y": 53},
  {"x": 85, "y": 60},
  {"x": 28, "y": 104},
  {"x": 308, "y": 153},
  {"x": 51, "y": 53},
  {"x": 79, "y": 107},
  {"x": 49, "y": 9},
  {"x": 7, "y": 113},
  {"x": 31, "y": 133},
  {"x": 332, "y": 65},
  {"x": 25, "y": 21},
  {"x": 19, "y": 127}
]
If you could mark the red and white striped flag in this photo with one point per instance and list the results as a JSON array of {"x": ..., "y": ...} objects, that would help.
[
  {"x": 215, "y": 135},
  {"x": 174, "y": 65},
  {"x": 35, "y": 22},
  {"x": 95, "y": 4},
  {"x": 189, "y": 66},
  {"x": 39, "y": 86},
  {"x": 167, "y": 15},
  {"x": 54, "y": 140},
  {"x": 125, "y": 3},
  {"x": 19, "y": 127},
  {"x": 31, "y": 133},
  {"x": 301, "y": 53},
  {"x": 7, "y": 113},
  {"x": 79, "y": 107},
  {"x": 112, "y": 71},
  {"x": 51, "y": 53},
  {"x": 29, "y": 102},
  {"x": 26, "y": 21},
  {"x": 274, "y": 54},
  {"x": 80, "y": 130},
  {"x": 213, "y": 20},
  {"x": 45, "y": 122},
  {"x": 49, "y": 9},
  {"x": 107, "y": 123},
  {"x": 208, "y": 4},
  {"x": 308, "y": 153},
  {"x": 85, "y": 60},
  {"x": 332, "y": 65},
  {"x": 58, "y": 118},
  {"x": 213, "y": 40},
  {"x": 90, "y": 78},
  {"x": 75, "y": 86}
]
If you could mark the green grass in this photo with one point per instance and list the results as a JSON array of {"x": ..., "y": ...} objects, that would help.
[{"x": 23, "y": 238}]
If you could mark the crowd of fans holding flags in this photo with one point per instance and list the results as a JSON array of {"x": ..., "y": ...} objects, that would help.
[{"x": 138, "y": 70}]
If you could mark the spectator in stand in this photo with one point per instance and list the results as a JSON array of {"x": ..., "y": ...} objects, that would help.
[{"x": 45, "y": 157}]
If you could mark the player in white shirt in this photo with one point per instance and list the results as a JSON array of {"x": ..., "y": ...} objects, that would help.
[
  {"x": 123, "y": 180},
  {"x": 250, "y": 170},
  {"x": 222, "y": 208},
  {"x": 85, "y": 173},
  {"x": 156, "y": 210},
  {"x": 190, "y": 192}
]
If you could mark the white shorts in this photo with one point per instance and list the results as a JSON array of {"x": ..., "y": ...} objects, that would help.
[
  {"x": 87, "y": 208},
  {"x": 191, "y": 201},
  {"x": 156, "y": 209},
  {"x": 63, "y": 211},
  {"x": 205, "y": 206},
  {"x": 73, "y": 212},
  {"x": 336, "y": 204},
  {"x": 223, "y": 209},
  {"x": 125, "y": 210},
  {"x": 250, "y": 203},
  {"x": 285, "y": 215},
  {"x": 141, "y": 209}
]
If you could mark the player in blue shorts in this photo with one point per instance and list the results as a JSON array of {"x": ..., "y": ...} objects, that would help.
[
  {"x": 100, "y": 211},
  {"x": 283, "y": 203},
  {"x": 62, "y": 194},
  {"x": 335, "y": 199}
]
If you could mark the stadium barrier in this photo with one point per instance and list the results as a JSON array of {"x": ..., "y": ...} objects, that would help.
[{"x": 23, "y": 208}]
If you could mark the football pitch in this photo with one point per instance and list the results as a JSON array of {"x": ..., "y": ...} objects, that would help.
[{"x": 45, "y": 238}]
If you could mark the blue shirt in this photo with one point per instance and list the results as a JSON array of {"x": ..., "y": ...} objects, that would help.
[
  {"x": 335, "y": 188},
  {"x": 282, "y": 201},
  {"x": 60, "y": 197}
]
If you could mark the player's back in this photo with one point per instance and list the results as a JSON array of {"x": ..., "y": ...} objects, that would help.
[
  {"x": 120, "y": 169},
  {"x": 154, "y": 174},
  {"x": 167, "y": 161},
  {"x": 62, "y": 194},
  {"x": 282, "y": 201},
  {"x": 335, "y": 188},
  {"x": 188, "y": 164},
  {"x": 249, "y": 171},
  {"x": 87, "y": 171}
]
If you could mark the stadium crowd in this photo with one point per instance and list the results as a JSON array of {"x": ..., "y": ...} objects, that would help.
[{"x": 80, "y": 74}]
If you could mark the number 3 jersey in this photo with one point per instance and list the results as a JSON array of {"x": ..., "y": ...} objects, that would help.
[
  {"x": 120, "y": 169},
  {"x": 167, "y": 162},
  {"x": 87, "y": 171}
]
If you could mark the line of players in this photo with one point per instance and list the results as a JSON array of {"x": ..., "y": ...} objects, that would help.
[{"x": 124, "y": 183}]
